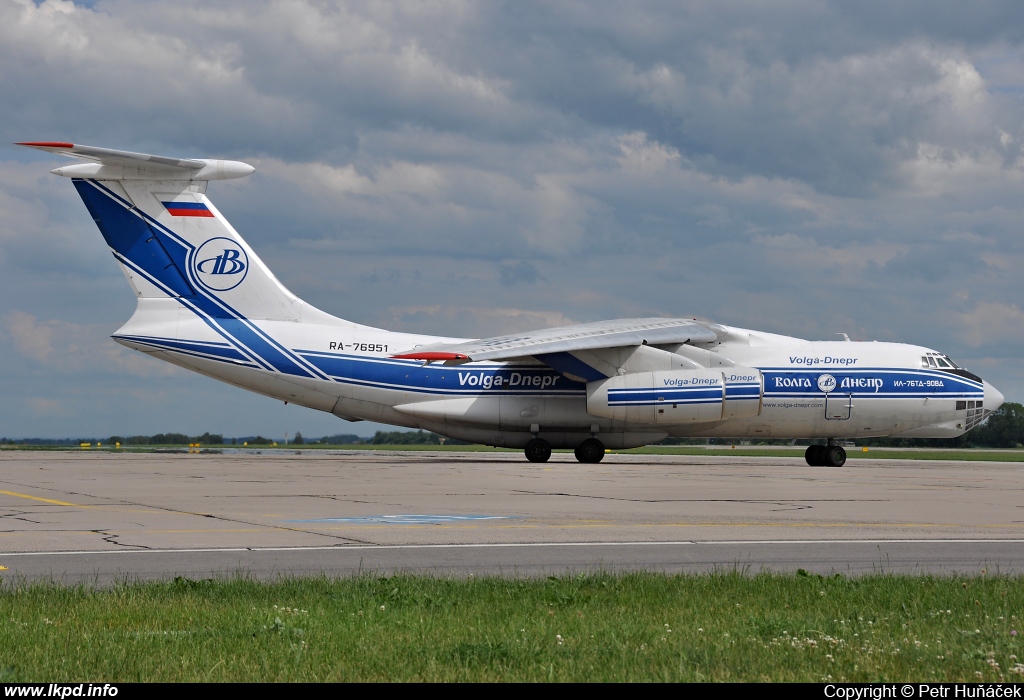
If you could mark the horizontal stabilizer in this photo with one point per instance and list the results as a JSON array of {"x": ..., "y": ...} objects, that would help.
[
  {"x": 583, "y": 336},
  {"x": 110, "y": 164}
]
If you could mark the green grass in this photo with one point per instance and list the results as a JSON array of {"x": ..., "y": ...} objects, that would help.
[
  {"x": 259, "y": 448},
  {"x": 976, "y": 455},
  {"x": 402, "y": 448},
  {"x": 634, "y": 627}
]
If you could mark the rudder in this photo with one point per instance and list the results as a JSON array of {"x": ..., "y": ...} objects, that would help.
[
  {"x": 168, "y": 237},
  {"x": 173, "y": 242}
]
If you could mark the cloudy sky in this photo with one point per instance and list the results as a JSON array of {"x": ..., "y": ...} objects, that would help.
[{"x": 474, "y": 167}]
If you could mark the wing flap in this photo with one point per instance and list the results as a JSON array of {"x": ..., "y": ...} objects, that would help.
[{"x": 583, "y": 336}]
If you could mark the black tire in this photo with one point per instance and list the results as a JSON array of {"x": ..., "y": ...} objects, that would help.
[
  {"x": 590, "y": 451},
  {"x": 835, "y": 456},
  {"x": 538, "y": 450},
  {"x": 815, "y": 455}
]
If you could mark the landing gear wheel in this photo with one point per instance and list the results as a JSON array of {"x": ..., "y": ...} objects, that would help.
[
  {"x": 815, "y": 455},
  {"x": 590, "y": 451},
  {"x": 835, "y": 456},
  {"x": 538, "y": 450},
  {"x": 825, "y": 456}
]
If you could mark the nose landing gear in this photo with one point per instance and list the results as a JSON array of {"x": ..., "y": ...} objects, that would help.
[{"x": 830, "y": 455}]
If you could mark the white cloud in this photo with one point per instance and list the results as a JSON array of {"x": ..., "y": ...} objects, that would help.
[
  {"x": 990, "y": 322},
  {"x": 64, "y": 348},
  {"x": 475, "y": 168},
  {"x": 487, "y": 321},
  {"x": 31, "y": 339}
]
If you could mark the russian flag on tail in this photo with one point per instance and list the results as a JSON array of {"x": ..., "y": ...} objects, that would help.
[{"x": 187, "y": 209}]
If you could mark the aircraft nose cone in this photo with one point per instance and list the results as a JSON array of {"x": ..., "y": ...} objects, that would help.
[{"x": 993, "y": 397}]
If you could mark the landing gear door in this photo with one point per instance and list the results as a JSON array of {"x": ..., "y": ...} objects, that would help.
[{"x": 838, "y": 406}]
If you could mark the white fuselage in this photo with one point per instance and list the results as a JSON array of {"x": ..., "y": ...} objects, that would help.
[
  {"x": 208, "y": 303},
  {"x": 877, "y": 389}
]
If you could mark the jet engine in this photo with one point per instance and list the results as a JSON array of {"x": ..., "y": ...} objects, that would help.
[{"x": 677, "y": 397}]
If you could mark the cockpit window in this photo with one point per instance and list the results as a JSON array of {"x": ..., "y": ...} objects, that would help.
[{"x": 938, "y": 361}]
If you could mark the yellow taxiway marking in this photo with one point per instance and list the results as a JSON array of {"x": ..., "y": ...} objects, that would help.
[
  {"x": 43, "y": 500},
  {"x": 148, "y": 510}
]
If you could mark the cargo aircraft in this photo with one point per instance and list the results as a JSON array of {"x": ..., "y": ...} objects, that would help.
[{"x": 208, "y": 303}]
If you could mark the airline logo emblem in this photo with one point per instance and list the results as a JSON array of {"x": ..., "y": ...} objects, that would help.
[
  {"x": 220, "y": 264},
  {"x": 188, "y": 209},
  {"x": 826, "y": 383}
]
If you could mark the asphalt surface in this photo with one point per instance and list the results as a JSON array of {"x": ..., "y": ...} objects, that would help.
[{"x": 100, "y": 517}]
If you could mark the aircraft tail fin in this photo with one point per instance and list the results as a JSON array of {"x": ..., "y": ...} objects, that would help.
[{"x": 170, "y": 240}]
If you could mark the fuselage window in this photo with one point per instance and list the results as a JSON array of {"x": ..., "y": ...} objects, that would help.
[{"x": 931, "y": 361}]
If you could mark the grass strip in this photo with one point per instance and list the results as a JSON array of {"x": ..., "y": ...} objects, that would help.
[
  {"x": 601, "y": 627},
  {"x": 978, "y": 455},
  {"x": 853, "y": 453}
]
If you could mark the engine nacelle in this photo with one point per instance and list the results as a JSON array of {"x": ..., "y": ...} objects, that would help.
[{"x": 677, "y": 397}]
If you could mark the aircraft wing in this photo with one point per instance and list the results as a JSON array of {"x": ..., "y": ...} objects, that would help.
[{"x": 583, "y": 336}]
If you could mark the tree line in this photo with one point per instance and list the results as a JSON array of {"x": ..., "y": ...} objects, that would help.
[
  {"x": 394, "y": 437},
  {"x": 1003, "y": 429}
]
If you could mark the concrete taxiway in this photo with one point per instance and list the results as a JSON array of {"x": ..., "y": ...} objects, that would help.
[{"x": 100, "y": 516}]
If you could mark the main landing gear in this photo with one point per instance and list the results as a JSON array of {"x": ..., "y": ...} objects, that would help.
[
  {"x": 830, "y": 455},
  {"x": 590, "y": 451},
  {"x": 538, "y": 450}
]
